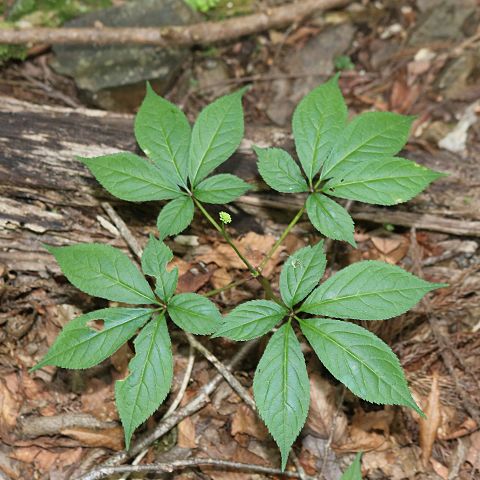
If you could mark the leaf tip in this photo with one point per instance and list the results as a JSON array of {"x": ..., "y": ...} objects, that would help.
[
  {"x": 128, "y": 438},
  {"x": 50, "y": 248},
  {"x": 36, "y": 367},
  {"x": 241, "y": 91},
  {"x": 149, "y": 89},
  {"x": 284, "y": 455},
  {"x": 84, "y": 160}
]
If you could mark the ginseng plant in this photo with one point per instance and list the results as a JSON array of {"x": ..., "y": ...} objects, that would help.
[{"x": 353, "y": 160}]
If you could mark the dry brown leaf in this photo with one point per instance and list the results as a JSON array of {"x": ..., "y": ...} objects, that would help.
[
  {"x": 221, "y": 278},
  {"x": 440, "y": 469},
  {"x": 109, "y": 438},
  {"x": 186, "y": 434},
  {"x": 361, "y": 441},
  {"x": 192, "y": 281},
  {"x": 385, "y": 245},
  {"x": 121, "y": 358},
  {"x": 395, "y": 463},
  {"x": 379, "y": 420},
  {"x": 429, "y": 426},
  {"x": 99, "y": 400},
  {"x": 252, "y": 245},
  {"x": 467, "y": 427},
  {"x": 182, "y": 265},
  {"x": 473, "y": 455},
  {"x": 389, "y": 249},
  {"x": 241, "y": 455},
  {"x": 47, "y": 460},
  {"x": 223, "y": 256},
  {"x": 10, "y": 404},
  {"x": 368, "y": 431},
  {"x": 323, "y": 407},
  {"x": 246, "y": 421}
]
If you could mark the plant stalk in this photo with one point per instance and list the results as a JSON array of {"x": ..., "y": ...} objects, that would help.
[
  {"x": 226, "y": 236},
  {"x": 269, "y": 255}
]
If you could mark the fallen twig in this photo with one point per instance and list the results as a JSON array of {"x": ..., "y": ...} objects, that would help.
[
  {"x": 225, "y": 372},
  {"x": 181, "y": 464},
  {"x": 33, "y": 427},
  {"x": 331, "y": 434},
  {"x": 200, "y": 33},
  {"x": 125, "y": 232}
]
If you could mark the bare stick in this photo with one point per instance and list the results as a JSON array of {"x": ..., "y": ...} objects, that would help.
[
  {"x": 200, "y": 33},
  {"x": 125, "y": 232},
  {"x": 181, "y": 464},
  {"x": 184, "y": 385},
  {"x": 166, "y": 425},
  {"x": 331, "y": 434},
  {"x": 226, "y": 373},
  {"x": 301, "y": 472}
]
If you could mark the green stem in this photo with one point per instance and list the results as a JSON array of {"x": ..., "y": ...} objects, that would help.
[
  {"x": 231, "y": 285},
  {"x": 269, "y": 255},
  {"x": 227, "y": 238}
]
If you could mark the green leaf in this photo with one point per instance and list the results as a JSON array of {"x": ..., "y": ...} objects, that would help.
[
  {"x": 222, "y": 188},
  {"x": 103, "y": 271},
  {"x": 194, "y": 313},
  {"x": 175, "y": 216},
  {"x": 282, "y": 389},
  {"x": 155, "y": 257},
  {"x": 217, "y": 133},
  {"x": 251, "y": 320},
  {"x": 149, "y": 379},
  {"x": 330, "y": 218},
  {"x": 280, "y": 171},
  {"x": 369, "y": 290},
  {"x": 79, "y": 345},
  {"x": 385, "y": 181},
  {"x": 368, "y": 136},
  {"x": 132, "y": 178},
  {"x": 360, "y": 360},
  {"x": 154, "y": 263},
  {"x": 354, "y": 471},
  {"x": 317, "y": 122},
  {"x": 301, "y": 273},
  {"x": 163, "y": 132}
]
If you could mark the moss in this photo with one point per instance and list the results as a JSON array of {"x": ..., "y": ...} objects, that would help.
[{"x": 52, "y": 13}]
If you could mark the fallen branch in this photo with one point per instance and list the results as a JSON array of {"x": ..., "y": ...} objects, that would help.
[
  {"x": 32, "y": 427},
  {"x": 182, "y": 464},
  {"x": 199, "y": 33},
  {"x": 117, "y": 220}
]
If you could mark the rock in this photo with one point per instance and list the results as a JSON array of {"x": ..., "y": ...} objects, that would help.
[
  {"x": 212, "y": 72},
  {"x": 442, "y": 20},
  {"x": 461, "y": 76},
  {"x": 113, "y": 77},
  {"x": 450, "y": 22},
  {"x": 317, "y": 56}
]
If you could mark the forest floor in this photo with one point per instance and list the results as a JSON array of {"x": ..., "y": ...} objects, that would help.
[{"x": 416, "y": 57}]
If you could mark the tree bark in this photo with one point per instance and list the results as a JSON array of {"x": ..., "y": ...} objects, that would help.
[{"x": 46, "y": 196}]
